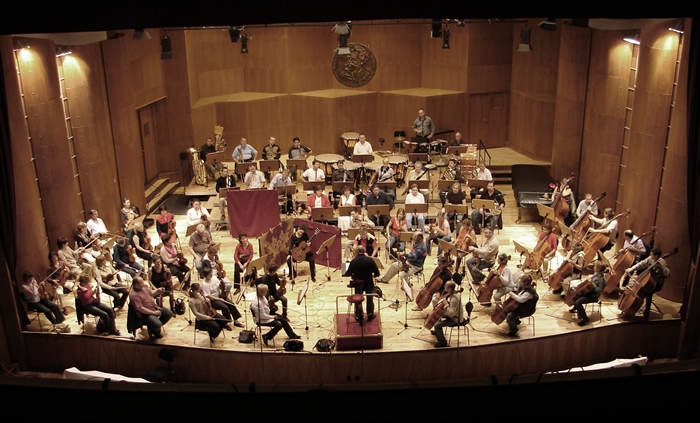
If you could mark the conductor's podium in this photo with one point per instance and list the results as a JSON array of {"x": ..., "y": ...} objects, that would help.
[{"x": 351, "y": 336}]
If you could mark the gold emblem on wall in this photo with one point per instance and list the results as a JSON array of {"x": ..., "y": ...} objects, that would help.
[{"x": 355, "y": 69}]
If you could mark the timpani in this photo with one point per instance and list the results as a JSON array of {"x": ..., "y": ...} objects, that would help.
[
  {"x": 398, "y": 162},
  {"x": 327, "y": 161}
]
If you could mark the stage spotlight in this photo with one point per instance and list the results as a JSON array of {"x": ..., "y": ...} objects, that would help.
[
  {"x": 633, "y": 38},
  {"x": 677, "y": 27},
  {"x": 140, "y": 32},
  {"x": 19, "y": 44},
  {"x": 435, "y": 30},
  {"x": 549, "y": 24},
  {"x": 166, "y": 48},
  {"x": 446, "y": 37},
  {"x": 63, "y": 51},
  {"x": 460, "y": 23},
  {"x": 244, "y": 43},
  {"x": 343, "y": 31},
  {"x": 234, "y": 33},
  {"x": 524, "y": 44}
]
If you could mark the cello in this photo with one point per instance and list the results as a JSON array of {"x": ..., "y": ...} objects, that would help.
[
  {"x": 581, "y": 225},
  {"x": 501, "y": 312},
  {"x": 536, "y": 257},
  {"x": 434, "y": 285},
  {"x": 624, "y": 259},
  {"x": 493, "y": 281},
  {"x": 594, "y": 241},
  {"x": 634, "y": 293}
]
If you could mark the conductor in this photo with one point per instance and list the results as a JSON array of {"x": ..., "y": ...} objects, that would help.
[{"x": 361, "y": 271}]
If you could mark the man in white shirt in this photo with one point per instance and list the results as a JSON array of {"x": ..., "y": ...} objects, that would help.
[
  {"x": 194, "y": 215},
  {"x": 260, "y": 308},
  {"x": 415, "y": 197},
  {"x": 254, "y": 179},
  {"x": 314, "y": 174},
  {"x": 482, "y": 173},
  {"x": 608, "y": 226},
  {"x": 362, "y": 146},
  {"x": 587, "y": 202},
  {"x": 419, "y": 173},
  {"x": 211, "y": 288},
  {"x": 281, "y": 179},
  {"x": 96, "y": 226}
]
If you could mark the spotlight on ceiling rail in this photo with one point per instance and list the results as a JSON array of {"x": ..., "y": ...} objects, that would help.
[
  {"x": 633, "y": 38},
  {"x": 677, "y": 27},
  {"x": 63, "y": 51},
  {"x": 549, "y": 24}
]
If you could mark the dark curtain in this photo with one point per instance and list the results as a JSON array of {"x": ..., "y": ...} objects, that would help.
[
  {"x": 252, "y": 212},
  {"x": 693, "y": 140}
]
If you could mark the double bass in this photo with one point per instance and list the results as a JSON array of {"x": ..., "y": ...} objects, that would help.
[
  {"x": 644, "y": 285},
  {"x": 581, "y": 224},
  {"x": 624, "y": 259},
  {"x": 584, "y": 288},
  {"x": 462, "y": 245},
  {"x": 536, "y": 257},
  {"x": 594, "y": 241},
  {"x": 561, "y": 206},
  {"x": 556, "y": 278},
  {"x": 493, "y": 281},
  {"x": 434, "y": 285}
]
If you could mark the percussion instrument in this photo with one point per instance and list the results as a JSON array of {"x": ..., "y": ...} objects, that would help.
[
  {"x": 349, "y": 166},
  {"x": 350, "y": 138},
  {"x": 398, "y": 163},
  {"x": 371, "y": 170},
  {"x": 438, "y": 146},
  {"x": 327, "y": 161},
  {"x": 410, "y": 146}
]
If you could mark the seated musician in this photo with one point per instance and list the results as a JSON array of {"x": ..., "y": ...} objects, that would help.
[
  {"x": 509, "y": 279},
  {"x": 208, "y": 148},
  {"x": 457, "y": 141},
  {"x": 455, "y": 196},
  {"x": 486, "y": 255},
  {"x": 415, "y": 197},
  {"x": 261, "y": 313},
  {"x": 254, "y": 179},
  {"x": 148, "y": 312},
  {"x": 243, "y": 153},
  {"x": 297, "y": 238},
  {"x": 314, "y": 173},
  {"x": 120, "y": 255},
  {"x": 272, "y": 280},
  {"x": 195, "y": 213},
  {"x": 363, "y": 239},
  {"x": 423, "y": 126},
  {"x": 160, "y": 278},
  {"x": 163, "y": 222},
  {"x": 454, "y": 312},
  {"x": 95, "y": 225},
  {"x": 200, "y": 240},
  {"x": 211, "y": 287},
  {"x": 452, "y": 173},
  {"x": 90, "y": 303},
  {"x": 110, "y": 282},
  {"x": 362, "y": 146},
  {"x": 271, "y": 151},
  {"x": 636, "y": 246},
  {"x": 378, "y": 197},
  {"x": 660, "y": 272},
  {"x": 340, "y": 175},
  {"x": 585, "y": 204},
  {"x": 575, "y": 257},
  {"x": 38, "y": 302},
  {"x": 346, "y": 200},
  {"x": 317, "y": 199},
  {"x": 440, "y": 230},
  {"x": 282, "y": 179},
  {"x": 68, "y": 256},
  {"x": 362, "y": 269},
  {"x": 465, "y": 231},
  {"x": 419, "y": 173},
  {"x": 212, "y": 324},
  {"x": 169, "y": 255},
  {"x": 141, "y": 243},
  {"x": 553, "y": 241},
  {"x": 298, "y": 150},
  {"x": 225, "y": 180},
  {"x": 414, "y": 259},
  {"x": 385, "y": 173},
  {"x": 128, "y": 213},
  {"x": 482, "y": 173},
  {"x": 607, "y": 226},
  {"x": 82, "y": 239},
  {"x": 396, "y": 225},
  {"x": 496, "y": 196},
  {"x": 360, "y": 220},
  {"x": 527, "y": 298},
  {"x": 54, "y": 273},
  {"x": 242, "y": 257},
  {"x": 599, "y": 280}
]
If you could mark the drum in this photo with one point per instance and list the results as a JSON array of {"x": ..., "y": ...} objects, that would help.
[
  {"x": 398, "y": 163},
  {"x": 410, "y": 146},
  {"x": 350, "y": 138},
  {"x": 438, "y": 146},
  {"x": 327, "y": 161},
  {"x": 371, "y": 169}
]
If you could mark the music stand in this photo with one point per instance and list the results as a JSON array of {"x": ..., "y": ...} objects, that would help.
[
  {"x": 384, "y": 186},
  {"x": 217, "y": 156},
  {"x": 255, "y": 265},
  {"x": 345, "y": 210},
  {"x": 322, "y": 214},
  {"x": 408, "y": 292},
  {"x": 457, "y": 149},
  {"x": 565, "y": 231},
  {"x": 413, "y": 157},
  {"x": 445, "y": 185},
  {"x": 519, "y": 248},
  {"x": 447, "y": 247},
  {"x": 339, "y": 186},
  {"x": 311, "y": 186},
  {"x": 478, "y": 183},
  {"x": 378, "y": 210},
  {"x": 302, "y": 297},
  {"x": 362, "y": 159},
  {"x": 353, "y": 232},
  {"x": 287, "y": 191},
  {"x": 422, "y": 184},
  {"x": 191, "y": 229},
  {"x": 546, "y": 212},
  {"x": 294, "y": 164},
  {"x": 324, "y": 248},
  {"x": 416, "y": 208}
]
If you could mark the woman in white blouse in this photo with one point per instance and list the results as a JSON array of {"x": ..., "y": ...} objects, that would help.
[
  {"x": 194, "y": 215},
  {"x": 347, "y": 199}
]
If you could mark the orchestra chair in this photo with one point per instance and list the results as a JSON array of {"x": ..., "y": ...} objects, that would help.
[
  {"x": 531, "y": 321},
  {"x": 418, "y": 276},
  {"x": 258, "y": 331},
  {"x": 462, "y": 325},
  {"x": 599, "y": 303},
  {"x": 37, "y": 314},
  {"x": 352, "y": 300},
  {"x": 197, "y": 327}
]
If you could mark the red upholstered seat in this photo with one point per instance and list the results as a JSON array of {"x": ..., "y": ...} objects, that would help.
[{"x": 355, "y": 298}]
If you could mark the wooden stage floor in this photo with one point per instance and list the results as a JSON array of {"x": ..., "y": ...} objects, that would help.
[{"x": 552, "y": 316}]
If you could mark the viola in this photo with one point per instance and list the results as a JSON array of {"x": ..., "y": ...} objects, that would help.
[
  {"x": 493, "y": 281},
  {"x": 499, "y": 315},
  {"x": 434, "y": 284},
  {"x": 597, "y": 240}
]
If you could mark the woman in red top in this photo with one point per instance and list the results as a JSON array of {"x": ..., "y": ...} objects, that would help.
[
  {"x": 317, "y": 199},
  {"x": 396, "y": 224},
  {"x": 90, "y": 303},
  {"x": 163, "y": 223},
  {"x": 242, "y": 256}
]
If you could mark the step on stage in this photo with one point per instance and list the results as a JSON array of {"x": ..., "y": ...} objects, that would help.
[{"x": 353, "y": 336}]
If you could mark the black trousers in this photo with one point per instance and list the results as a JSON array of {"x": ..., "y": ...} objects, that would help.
[
  {"x": 475, "y": 270},
  {"x": 281, "y": 298},
  {"x": 312, "y": 265},
  {"x": 179, "y": 272},
  {"x": 237, "y": 276},
  {"x": 277, "y": 325},
  {"x": 213, "y": 327},
  {"x": 513, "y": 320},
  {"x": 578, "y": 305},
  {"x": 382, "y": 221},
  {"x": 145, "y": 256},
  {"x": 229, "y": 310},
  {"x": 367, "y": 288},
  {"x": 50, "y": 310},
  {"x": 119, "y": 293},
  {"x": 439, "y": 334},
  {"x": 104, "y": 312}
]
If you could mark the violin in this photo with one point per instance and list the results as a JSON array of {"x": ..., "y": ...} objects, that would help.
[
  {"x": 594, "y": 241},
  {"x": 209, "y": 308},
  {"x": 205, "y": 221},
  {"x": 434, "y": 285},
  {"x": 624, "y": 259},
  {"x": 493, "y": 281}
]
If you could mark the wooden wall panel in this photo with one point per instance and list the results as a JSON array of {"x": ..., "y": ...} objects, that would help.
[
  {"x": 488, "y": 119},
  {"x": 533, "y": 89},
  {"x": 446, "y": 112},
  {"x": 444, "y": 68},
  {"x": 489, "y": 63},
  {"x": 652, "y": 100},
  {"x": 31, "y": 251},
  {"x": 397, "y": 112},
  {"x": 574, "y": 56},
  {"x": 58, "y": 186},
  {"x": 204, "y": 119},
  {"x": 233, "y": 118},
  {"x": 308, "y": 59},
  {"x": 356, "y": 113},
  {"x": 91, "y": 124},
  {"x": 314, "y": 123},
  {"x": 135, "y": 78},
  {"x": 267, "y": 118},
  {"x": 604, "y": 121},
  {"x": 176, "y": 116}
]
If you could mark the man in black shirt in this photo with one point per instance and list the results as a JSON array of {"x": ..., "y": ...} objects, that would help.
[
  {"x": 455, "y": 196},
  {"x": 340, "y": 175},
  {"x": 362, "y": 269},
  {"x": 378, "y": 197},
  {"x": 271, "y": 151},
  {"x": 298, "y": 236},
  {"x": 272, "y": 280},
  {"x": 207, "y": 148},
  {"x": 457, "y": 141},
  {"x": 225, "y": 180},
  {"x": 297, "y": 151},
  {"x": 490, "y": 194}
]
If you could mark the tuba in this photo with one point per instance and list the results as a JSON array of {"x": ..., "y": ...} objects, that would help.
[
  {"x": 449, "y": 174},
  {"x": 200, "y": 171},
  {"x": 219, "y": 142}
]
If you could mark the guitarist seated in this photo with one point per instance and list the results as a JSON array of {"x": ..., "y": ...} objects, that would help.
[
  {"x": 297, "y": 238},
  {"x": 599, "y": 280},
  {"x": 527, "y": 298}
]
